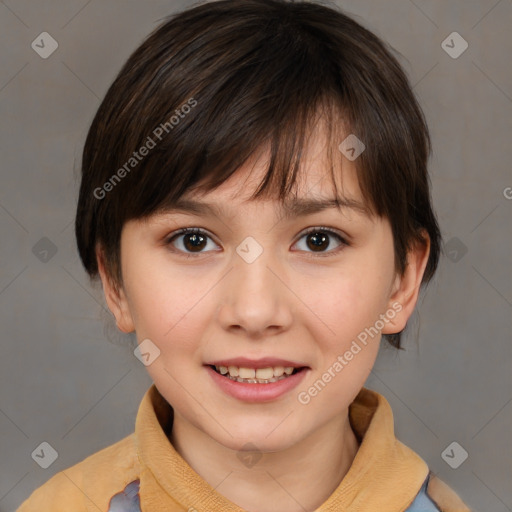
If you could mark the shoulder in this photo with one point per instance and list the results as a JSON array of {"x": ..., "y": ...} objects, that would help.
[
  {"x": 436, "y": 496},
  {"x": 90, "y": 484}
]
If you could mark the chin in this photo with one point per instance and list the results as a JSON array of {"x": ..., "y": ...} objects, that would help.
[{"x": 263, "y": 438}]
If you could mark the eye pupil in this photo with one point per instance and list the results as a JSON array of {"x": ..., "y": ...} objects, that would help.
[
  {"x": 318, "y": 239},
  {"x": 196, "y": 240}
]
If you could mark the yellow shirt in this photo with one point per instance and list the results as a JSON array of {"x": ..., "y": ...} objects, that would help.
[{"x": 143, "y": 472}]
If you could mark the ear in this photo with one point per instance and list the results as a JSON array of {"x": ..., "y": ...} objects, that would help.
[
  {"x": 405, "y": 290},
  {"x": 115, "y": 296}
]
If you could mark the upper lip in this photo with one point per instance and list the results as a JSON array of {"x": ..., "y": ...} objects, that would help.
[{"x": 264, "y": 362}]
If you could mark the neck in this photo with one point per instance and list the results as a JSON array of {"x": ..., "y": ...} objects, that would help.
[{"x": 274, "y": 481}]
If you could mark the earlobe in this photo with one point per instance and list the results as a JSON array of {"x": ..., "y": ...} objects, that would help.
[
  {"x": 115, "y": 297},
  {"x": 406, "y": 288}
]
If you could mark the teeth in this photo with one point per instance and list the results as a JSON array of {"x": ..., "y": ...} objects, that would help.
[
  {"x": 251, "y": 375},
  {"x": 233, "y": 371},
  {"x": 245, "y": 373},
  {"x": 278, "y": 371},
  {"x": 264, "y": 373}
]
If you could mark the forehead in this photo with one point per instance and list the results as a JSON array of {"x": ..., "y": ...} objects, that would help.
[{"x": 314, "y": 191}]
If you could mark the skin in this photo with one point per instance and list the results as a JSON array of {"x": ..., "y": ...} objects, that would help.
[{"x": 292, "y": 302}]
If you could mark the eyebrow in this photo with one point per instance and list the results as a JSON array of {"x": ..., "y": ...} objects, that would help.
[{"x": 295, "y": 208}]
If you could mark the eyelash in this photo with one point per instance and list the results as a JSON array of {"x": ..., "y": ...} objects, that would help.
[{"x": 198, "y": 231}]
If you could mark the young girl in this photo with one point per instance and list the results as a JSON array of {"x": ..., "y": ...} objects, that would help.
[{"x": 255, "y": 200}]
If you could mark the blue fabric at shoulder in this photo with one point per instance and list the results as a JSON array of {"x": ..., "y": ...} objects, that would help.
[
  {"x": 127, "y": 500},
  {"x": 422, "y": 503}
]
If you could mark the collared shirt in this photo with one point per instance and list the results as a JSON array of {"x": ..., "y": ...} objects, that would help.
[{"x": 144, "y": 473}]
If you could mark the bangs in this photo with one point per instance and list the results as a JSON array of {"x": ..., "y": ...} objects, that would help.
[{"x": 285, "y": 150}]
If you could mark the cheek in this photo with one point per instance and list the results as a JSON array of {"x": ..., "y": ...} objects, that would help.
[
  {"x": 348, "y": 349},
  {"x": 350, "y": 300},
  {"x": 165, "y": 303}
]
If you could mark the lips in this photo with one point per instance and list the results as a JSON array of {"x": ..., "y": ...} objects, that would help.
[{"x": 254, "y": 390}]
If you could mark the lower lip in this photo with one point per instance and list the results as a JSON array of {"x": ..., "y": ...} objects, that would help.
[{"x": 257, "y": 392}]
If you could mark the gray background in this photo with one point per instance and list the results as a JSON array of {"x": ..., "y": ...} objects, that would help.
[{"x": 63, "y": 382}]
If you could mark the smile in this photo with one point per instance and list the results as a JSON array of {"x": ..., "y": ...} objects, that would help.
[{"x": 246, "y": 385}]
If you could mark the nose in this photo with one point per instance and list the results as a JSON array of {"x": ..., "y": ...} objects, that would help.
[{"x": 255, "y": 297}]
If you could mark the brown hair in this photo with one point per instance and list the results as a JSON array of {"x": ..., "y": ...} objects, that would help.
[{"x": 214, "y": 83}]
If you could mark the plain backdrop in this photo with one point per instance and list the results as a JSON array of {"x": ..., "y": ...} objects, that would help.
[{"x": 68, "y": 378}]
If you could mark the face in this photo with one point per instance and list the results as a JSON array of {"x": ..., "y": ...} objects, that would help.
[{"x": 256, "y": 281}]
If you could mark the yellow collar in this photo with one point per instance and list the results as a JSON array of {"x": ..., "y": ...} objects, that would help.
[{"x": 385, "y": 475}]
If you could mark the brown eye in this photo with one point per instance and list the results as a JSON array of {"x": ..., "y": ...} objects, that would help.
[
  {"x": 190, "y": 241},
  {"x": 193, "y": 241},
  {"x": 319, "y": 240}
]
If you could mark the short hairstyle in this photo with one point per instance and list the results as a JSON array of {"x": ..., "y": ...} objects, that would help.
[{"x": 224, "y": 79}]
